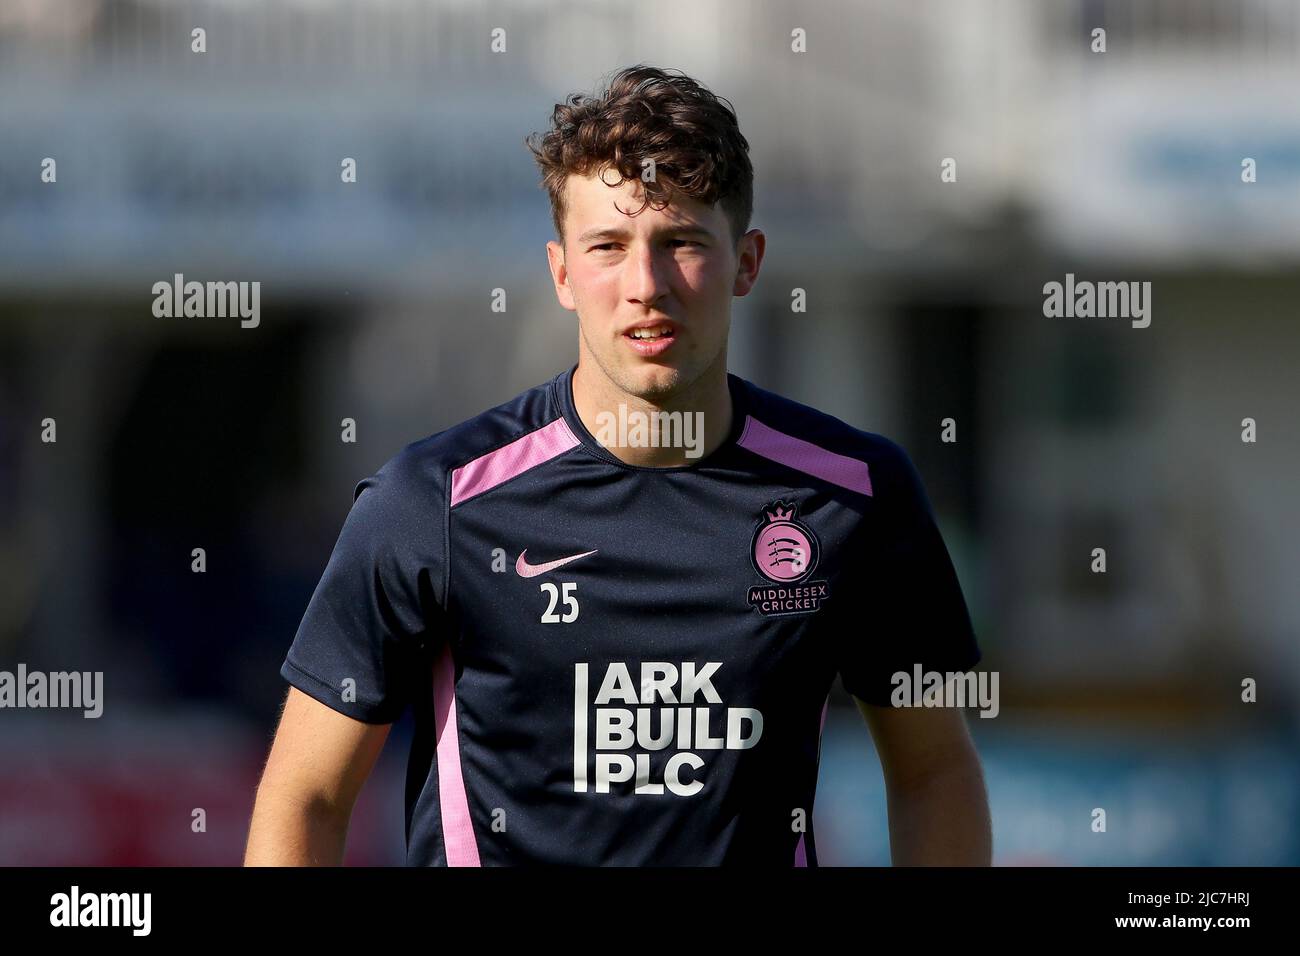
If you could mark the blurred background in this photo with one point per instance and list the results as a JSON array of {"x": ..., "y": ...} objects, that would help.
[{"x": 925, "y": 302}]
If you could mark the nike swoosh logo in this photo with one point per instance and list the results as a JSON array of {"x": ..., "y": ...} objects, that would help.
[{"x": 526, "y": 570}]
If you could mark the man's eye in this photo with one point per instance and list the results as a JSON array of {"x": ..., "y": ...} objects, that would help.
[{"x": 610, "y": 245}]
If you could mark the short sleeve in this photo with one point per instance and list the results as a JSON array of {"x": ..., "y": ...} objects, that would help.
[
  {"x": 914, "y": 613},
  {"x": 375, "y": 611}
]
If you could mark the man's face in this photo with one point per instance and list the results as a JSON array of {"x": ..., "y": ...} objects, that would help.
[{"x": 672, "y": 271}]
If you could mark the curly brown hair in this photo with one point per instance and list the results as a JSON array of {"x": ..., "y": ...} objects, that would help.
[{"x": 648, "y": 113}]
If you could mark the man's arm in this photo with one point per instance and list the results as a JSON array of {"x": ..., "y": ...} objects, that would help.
[
  {"x": 318, "y": 762},
  {"x": 938, "y": 807}
]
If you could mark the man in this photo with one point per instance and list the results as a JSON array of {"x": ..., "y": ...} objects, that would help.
[{"x": 617, "y": 640}]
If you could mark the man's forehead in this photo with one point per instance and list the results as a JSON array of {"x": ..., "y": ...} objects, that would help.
[{"x": 594, "y": 206}]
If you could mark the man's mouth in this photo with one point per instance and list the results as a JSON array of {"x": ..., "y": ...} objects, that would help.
[
  {"x": 650, "y": 334},
  {"x": 650, "y": 339}
]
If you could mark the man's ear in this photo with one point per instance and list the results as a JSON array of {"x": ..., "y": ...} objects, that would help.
[
  {"x": 749, "y": 260},
  {"x": 560, "y": 275}
]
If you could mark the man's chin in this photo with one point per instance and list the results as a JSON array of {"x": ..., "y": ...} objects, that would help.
[{"x": 652, "y": 383}]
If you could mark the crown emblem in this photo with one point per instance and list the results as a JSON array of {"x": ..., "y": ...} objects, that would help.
[{"x": 781, "y": 514}]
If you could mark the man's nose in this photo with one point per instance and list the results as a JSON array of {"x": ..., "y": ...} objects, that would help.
[{"x": 646, "y": 282}]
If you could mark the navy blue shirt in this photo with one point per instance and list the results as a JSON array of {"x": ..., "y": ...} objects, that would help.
[{"x": 614, "y": 664}]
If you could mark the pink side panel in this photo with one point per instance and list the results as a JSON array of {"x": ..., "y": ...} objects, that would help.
[
  {"x": 457, "y": 828},
  {"x": 800, "y": 851}
]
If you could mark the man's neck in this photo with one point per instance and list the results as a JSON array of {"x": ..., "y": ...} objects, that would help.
[{"x": 637, "y": 436}]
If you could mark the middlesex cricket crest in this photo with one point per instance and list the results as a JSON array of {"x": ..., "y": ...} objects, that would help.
[{"x": 785, "y": 552}]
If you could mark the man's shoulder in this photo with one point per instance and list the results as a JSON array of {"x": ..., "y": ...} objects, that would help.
[
  {"x": 804, "y": 423},
  {"x": 427, "y": 462}
]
